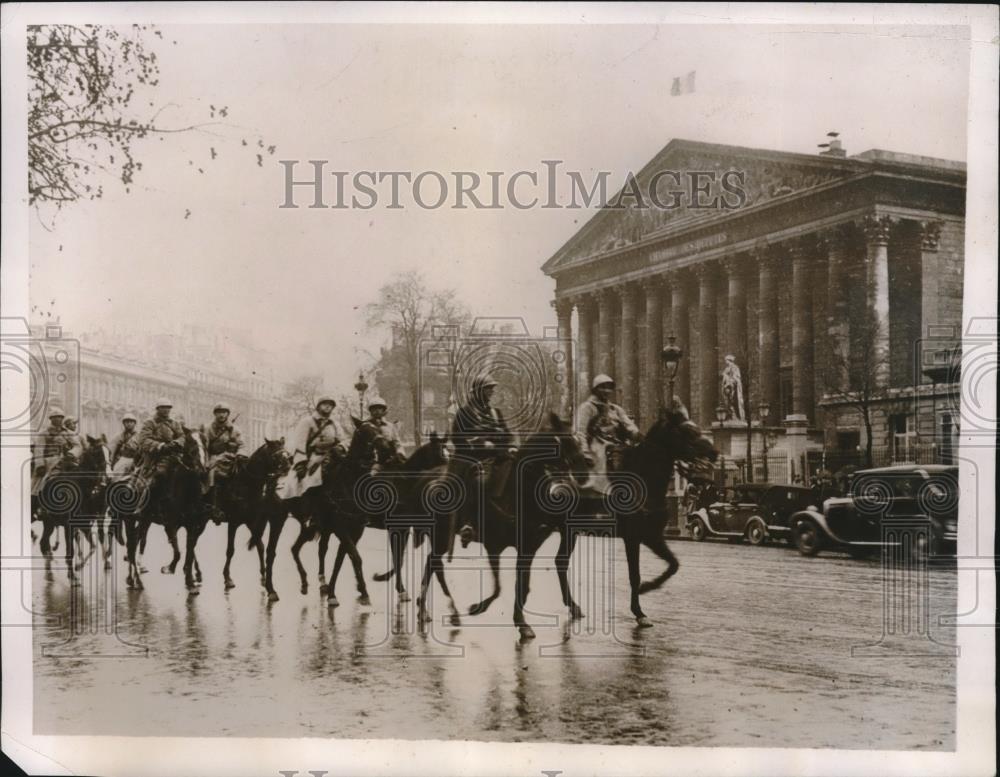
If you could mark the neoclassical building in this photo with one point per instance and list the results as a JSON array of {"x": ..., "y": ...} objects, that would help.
[{"x": 823, "y": 275}]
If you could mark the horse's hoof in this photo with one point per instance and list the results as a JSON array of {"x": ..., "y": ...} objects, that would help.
[
  {"x": 107, "y": 564},
  {"x": 455, "y": 619},
  {"x": 643, "y": 622},
  {"x": 304, "y": 589},
  {"x": 75, "y": 582},
  {"x": 129, "y": 583},
  {"x": 526, "y": 632},
  {"x": 166, "y": 571},
  {"x": 324, "y": 589},
  {"x": 332, "y": 602},
  {"x": 49, "y": 577},
  {"x": 193, "y": 592},
  {"x": 403, "y": 596},
  {"x": 230, "y": 584},
  {"x": 142, "y": 569},
  {"x": 576, "y": 613},
  {"x": 273, "y": 596},
  {"x": 364, "y": 600},
  {"x": 198, "y": 578}
]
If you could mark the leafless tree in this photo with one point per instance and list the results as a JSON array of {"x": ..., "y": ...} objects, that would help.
[
  {"x": 408, "y": 310},
  {"x": 303, "y": 392},
  {"x": 89, "y": 90}
]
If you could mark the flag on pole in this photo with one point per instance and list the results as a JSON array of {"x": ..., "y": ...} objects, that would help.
[{"x": 683, "y": 85}]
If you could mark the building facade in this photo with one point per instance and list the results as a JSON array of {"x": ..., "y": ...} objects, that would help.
[
  {"x": 109, "y": 379},
  {"x": 830, "y": 279}
]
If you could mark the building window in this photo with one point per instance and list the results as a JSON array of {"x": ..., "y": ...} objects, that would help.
[
  {"x": 848, "y": 441},
  {"x": 785, "y": 391},
  {"x": 948, "y": 439},
  {"x": 902, "y": 428}
]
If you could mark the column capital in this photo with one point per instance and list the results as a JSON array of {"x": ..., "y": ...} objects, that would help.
[
  {"x": 735, "y": 265},
  {"x": 877, "y": 229},
  {"x": 705, "y": 271},
  {"x": 930, "y": 235},
  {"x": 563, "y": 305},
  {"x": 627, "y": 291}
]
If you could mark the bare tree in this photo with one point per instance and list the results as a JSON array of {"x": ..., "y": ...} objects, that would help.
[
  {"x": 303, "y": 392},
  {"x": 409, "y": 310},
  {"x": 85, "y": 84}
]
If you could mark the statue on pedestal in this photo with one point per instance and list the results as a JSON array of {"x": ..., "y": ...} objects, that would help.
[{"x": 732, "y": 390}]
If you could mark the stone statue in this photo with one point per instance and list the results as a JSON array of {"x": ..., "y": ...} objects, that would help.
[{"x": 732, "y": 390}]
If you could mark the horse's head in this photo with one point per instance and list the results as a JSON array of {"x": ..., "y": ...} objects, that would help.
[
  {"x": 570, "y": 457},
  {"x": 434, "y": 453},
  {"x": 677, "y": 439},
  {"x": 270, "y": 460},
  {"x": 193, "y": 454}
]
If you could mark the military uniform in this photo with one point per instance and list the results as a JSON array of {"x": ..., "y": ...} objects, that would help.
[
  {"x": 124, "y": 452},
  {"x": 224, "y": 441},
  {"x": 56, "y": 443},
  {"x": 154, "y": 437},
  {"x": 600, "y": 425},
  {"x": 313, "y": 440},
  {"x": 387, "y": 431}
]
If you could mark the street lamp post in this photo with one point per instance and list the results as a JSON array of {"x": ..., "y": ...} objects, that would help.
[
  {"x": 764, "y": 409},
  {"x": 671, "y": 356},
  {"x": 361, "y": 387}
]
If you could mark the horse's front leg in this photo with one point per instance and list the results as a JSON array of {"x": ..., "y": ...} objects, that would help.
[
  {"x": 171, "y": 532},
  {"x": 46, "y": 547},
  {"x": 483, "y": 606},
  {"x": 70, "y": 548},
  {"x": 324, "y": 545},
  {"x": 655, "y": 542},
  {"x": 276, "y": 523},
  {"x": 305, "y": 534},
  {"x": 230, "y": 549},
  {"x": 346, "y": 537},
  {"x": 191, "y": 537},
  {"x": 567, "y": 543},
  {"x": 522, "y": 587},
  {"x": 438, "y": 567},
  {"x": 634, "y": 579}
]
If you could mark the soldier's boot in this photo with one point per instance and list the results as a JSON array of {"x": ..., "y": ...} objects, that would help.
[{"x": 497, "y": 486}]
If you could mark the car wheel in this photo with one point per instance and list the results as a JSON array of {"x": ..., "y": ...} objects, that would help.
[
  {"x": 698, "y": 530},
  {"x": 807, "y": 538},
  {"x": 756, "y": 535}
]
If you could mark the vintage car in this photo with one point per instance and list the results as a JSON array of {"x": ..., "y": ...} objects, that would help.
[
  {"x": 755, "y": 512},
  {"x": 908, "y": 504}
]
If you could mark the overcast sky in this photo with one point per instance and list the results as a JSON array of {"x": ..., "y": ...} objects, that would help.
[{"x": 448, "y": 98}]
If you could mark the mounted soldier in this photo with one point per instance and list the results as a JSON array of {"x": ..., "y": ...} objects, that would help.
[
  {"x": 57, "y": 447},
  {"x": 603, "y": 427},
  {"x": 316, "y": 439},
  {"x": 224, "y": 441},
  {"x": 480, "y": 432},
  {"x": 384, "y": 429},
  {"x": 125, "y": 448},
  {"x": 160, "y": 438}
]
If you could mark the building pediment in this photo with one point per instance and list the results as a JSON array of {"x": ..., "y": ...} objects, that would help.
[{"x": 689, "y": 183}]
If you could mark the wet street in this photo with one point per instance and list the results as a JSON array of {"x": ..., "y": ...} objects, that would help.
[{"x": 750, "y": 647}]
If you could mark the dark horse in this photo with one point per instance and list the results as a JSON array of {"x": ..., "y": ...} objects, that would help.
[
  {"x": 544, "y": 463},
  {"x": 175, "y": 500},
  {"x": 325, "y": 510},
  {"x": 247, "y": 497},
  {"x": 72, "y": 496},
  {"x": 636, "y": 501},
  {"x": 395, "y": 498}
]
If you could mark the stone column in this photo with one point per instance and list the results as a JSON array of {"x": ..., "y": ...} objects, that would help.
[
  {"x": 650, "y": 390},
  {"x": 627, "y": 343},
  {"x": 564, "y": 334},
  {"x": 767, "y": 332},
  {"x": 838, "y": 324},
  {"x": 585, "y": 347},
  {"x": 930, "y": 237},
  {"x": 875, "y": 333},
  {"x": 709, "y": 347},
  {"x": 679, "y": 301},
  {"x": 736, "y": 329},
  {"x": 605, "y": 310},
  {"x": 802, "y": 329}
]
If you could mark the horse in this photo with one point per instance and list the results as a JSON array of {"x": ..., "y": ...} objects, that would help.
[
  {"x": 328, "y": 509},
  {"x": 174, "y": 500},
  {"x": 245, "y": 494},
  {"x": 543, "y": 461},
  {"x": 399, "y": 482},
  {"x": 636, "y": 500},
  {"x": 72, "y": 496}
]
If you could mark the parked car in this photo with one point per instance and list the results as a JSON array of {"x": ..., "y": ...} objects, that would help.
[
  {"x": 919, "y": 501},
  {"x": 756, "y": 512}
]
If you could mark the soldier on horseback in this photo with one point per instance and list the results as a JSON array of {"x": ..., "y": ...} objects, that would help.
[
  {"x": 224, "y": 442},
  {"x": 57, "y": 447},
  {"x": 383, "y": 429},
  {"x": 317, "y": 438},
  {"x": 603, "y": 427},
  {"x": 480, "y": 432},
  {"x": 125, "y": 448},
  {"x": 160, "y": 439}
]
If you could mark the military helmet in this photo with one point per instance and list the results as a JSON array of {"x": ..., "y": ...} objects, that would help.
[
  {"x": 602, "y": 380},
  {"x": 321, "y": 400},
  {"x": 129, "y": 417},
  {"x": 56, "y": 412},
  {"x": 163, "y": 402},
  {"x": 220, "y": 406},
  {"x": 482, "y": 382},
  {"x": 377, "y": 402}
]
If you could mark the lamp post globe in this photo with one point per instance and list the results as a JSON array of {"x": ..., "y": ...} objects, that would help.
[{"x": 361, "y": 387}]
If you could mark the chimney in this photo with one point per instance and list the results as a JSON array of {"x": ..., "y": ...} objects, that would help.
[{"x": 834, "y": 147}]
